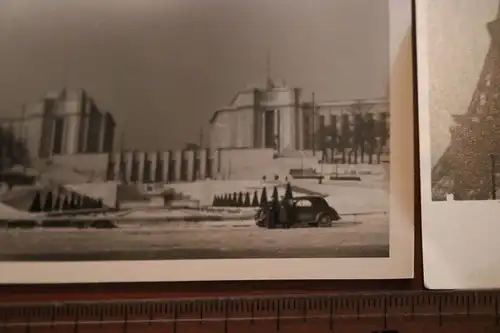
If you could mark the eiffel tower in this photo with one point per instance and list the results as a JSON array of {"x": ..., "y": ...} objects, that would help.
[{"x": 466, "y": 168}]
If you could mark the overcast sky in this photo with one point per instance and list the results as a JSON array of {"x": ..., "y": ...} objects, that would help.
[{"x": 163, "y": 66}]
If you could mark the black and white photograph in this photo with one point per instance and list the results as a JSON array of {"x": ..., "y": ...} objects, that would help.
[
  {"x": 465, "y": 149},
  {"x": 262, "y": 138},
  {"x": 458, "y": 47}
]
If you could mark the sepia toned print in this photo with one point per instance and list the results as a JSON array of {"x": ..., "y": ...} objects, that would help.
[
  {"x": 168, "y": 137},
  {"x": 458, "y": 129},
  {"x": 468, "y": 167}
]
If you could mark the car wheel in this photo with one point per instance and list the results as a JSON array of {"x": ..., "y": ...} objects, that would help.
[{"x": 325, "y": 220}]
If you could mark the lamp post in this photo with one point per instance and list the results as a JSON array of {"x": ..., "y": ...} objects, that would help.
[
  {"x": 327, "y": 143},
  {"x": 301, "y": 162},
  {"x": 321, "y": 166},
  {"x": 313, "y": 124}
]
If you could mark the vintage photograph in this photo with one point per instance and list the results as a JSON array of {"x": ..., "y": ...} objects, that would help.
[
  {"x": 458, "y": 50},
  {"x": 197, "y": 130},
  {"x": 465, "y": 151}
]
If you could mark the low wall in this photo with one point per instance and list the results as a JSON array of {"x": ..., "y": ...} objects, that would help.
[
  {"x": 94, "y": 166},
  {"x": 243, "y": 163},
  {"x": 150, "y": 168}
]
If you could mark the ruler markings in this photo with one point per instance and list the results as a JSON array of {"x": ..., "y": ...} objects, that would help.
[
  {"x": 75, "y": 323},
  {"x": 261, "y": 299},
  {"x": 440, "y": 312},
  {"x": 383, "y": 310},
  {"x": 252, "y": 311},
  {"x": 125, "y": 323},
  {"x": 262, "y": 318},
  {"x": 331, "y": 317},
  {"x": 174, "y": 321},
  {"x": 278, "y": 318},
  {"x": 226, "y": 317},
  {"x": 496, "y": 311}
]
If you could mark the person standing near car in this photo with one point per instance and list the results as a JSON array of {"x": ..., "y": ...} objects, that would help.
[
  {"x": 271, "y": 216},
  {"x": 274, "y": 214},
  {"x": 287, "y": 213}
]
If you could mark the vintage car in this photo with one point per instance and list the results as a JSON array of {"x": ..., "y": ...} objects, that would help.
[{"x": 303, "y": 212}]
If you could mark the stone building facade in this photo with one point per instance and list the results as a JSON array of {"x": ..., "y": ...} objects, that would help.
[
  {"x": 63, "y": 123},
  {"x": 279, "y": 117},
  {"x": 259, "y": 118}
]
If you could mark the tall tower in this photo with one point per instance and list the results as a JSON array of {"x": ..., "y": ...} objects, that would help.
[{"x": 465, "y": 168}]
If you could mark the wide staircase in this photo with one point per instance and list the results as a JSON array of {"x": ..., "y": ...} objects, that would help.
[
  {"x": 307, "y": 161},
  {"x": 274, "y": 167},
  {"x": 51, "y": 199},
  {"x": 59, "y": 187}
]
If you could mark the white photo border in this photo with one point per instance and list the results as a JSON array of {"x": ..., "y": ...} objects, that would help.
[
  {"x": 459, "y": 238},
  {"x": 398, "y": 266}
]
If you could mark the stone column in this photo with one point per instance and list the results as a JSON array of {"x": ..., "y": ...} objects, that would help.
[
  {"x": 122, "y": 167},
  {"x": 297, "y": 108},
  {"x": 129, "y": 156},
  {"x": 177, "y": 157},
  {"x": 84, "y": 118},
  {"x": 65, "y": 149},
  {"x": 263, "y": 129},
  {"x": 47, "y": 132},
  {"x": 52, "y": 136},
  {"x": 154, "y": 164},
  {"x": 368, "y": 137},
  {"x": 352, "y": 149},
  {"x": 158, "y": 175},
  {"x": 215, "y": 160},
  {"x": 300, "y": 128},
  {"x": 134, "y": 172},
  {"x": 279, "y": 132},
  {"x": 202, "y": 156},
  {"x": 140, "y": 166},
  {"x": 113, "y": 161},
  {"x": 338, "y": 127},
  {"x": 165, "y": 157},
  {"x": 189, "y": 157},
  {"x": 146, "y": 169},
  {"x": 116, "y": 166},
  {"x": 329, "y": 155},
  {"x": 102, "y": 133}
]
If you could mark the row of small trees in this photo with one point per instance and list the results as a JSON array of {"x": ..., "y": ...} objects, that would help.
[
  {"x": 245, "y": 199},
  {"x": 63, "y": 203}
]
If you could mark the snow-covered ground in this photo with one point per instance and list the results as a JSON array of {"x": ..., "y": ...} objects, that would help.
[
  {"x": 169, "y": 214},
  {"x": 347, "y": 197},
  {"x": 7, "y": 212},
  {"x": 351, "y": 237}
]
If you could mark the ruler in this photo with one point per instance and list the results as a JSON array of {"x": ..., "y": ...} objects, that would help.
[{"x": 471, "y": 312}]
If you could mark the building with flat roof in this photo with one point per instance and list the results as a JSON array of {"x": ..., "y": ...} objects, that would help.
[
  {"x": 63, "y": 123},
  {"x": 278, "y": 117}
]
